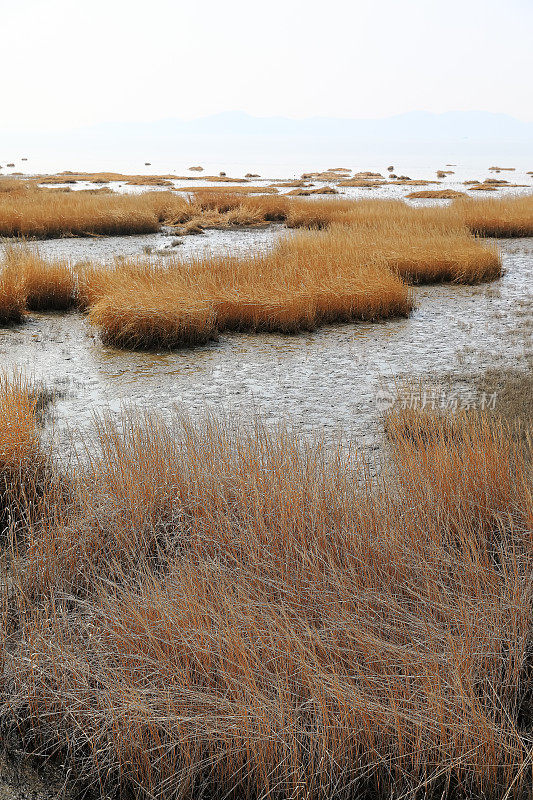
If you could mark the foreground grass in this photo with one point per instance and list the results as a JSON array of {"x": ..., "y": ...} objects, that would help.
[{"x": 219, "y": 611}]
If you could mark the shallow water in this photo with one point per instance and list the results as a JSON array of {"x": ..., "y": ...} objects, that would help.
[{"x": 335, "y": 378}]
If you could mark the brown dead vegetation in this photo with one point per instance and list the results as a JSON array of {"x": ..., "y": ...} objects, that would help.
[
  {"x": 436, "y": 194},
  {"x": 228, "y": 611},
  {"x": 503, "y": 217}
]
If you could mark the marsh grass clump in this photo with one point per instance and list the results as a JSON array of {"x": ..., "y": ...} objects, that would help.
[
  {"x": 139, "y": 317},
  {"x": 236, "y": 190},
  {"x": 27, "y": 481},
  {"x": 148, "y": 181},
  {"x": 503, "y": 217},
  {"x": 48, "y": 285},
  {"x": 12, "y": 295},
  {"x": 233, "y": 611},
  {"x": 294, "y": 184},
  {"x": 308, "y": 280},
  {"x": 346, "y": 264},
  {"x": 28, "y": 211},
  {"x": 348, "y": 261},
  {"x": 513, "y": 392},
  {"x": 103, "y": 177},
  {"x": 434, "y": 257},
  {"x": 363, "y": 183},
  {"x": 308, "y": 192},
  {"x": 483, "y": 187},
  {"x": 347, "y": 254},
  {"x": 93, "y": 281},
  {"x": 436, "y": 194}
]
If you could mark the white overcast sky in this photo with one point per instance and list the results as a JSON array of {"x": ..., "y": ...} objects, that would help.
[{"x": 66, "y": 63}]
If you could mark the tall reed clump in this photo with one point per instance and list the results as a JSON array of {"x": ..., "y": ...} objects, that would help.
[
  {"x": 12, "y": 295},
  {"x": 256, "y": 618},
  {"x": 353, "y": 269},
  {"x": 138, "y": 317},
  {"x": 26, "y": 210},
  {"x": 423, "y": 244},
  {"x": 303, "y": 282},
  {"x": 349, "y": 263},
  {"x": 23, "y": 466},
  {"x": 48, "y": 285},
  {"x": 504, "y": 217}
]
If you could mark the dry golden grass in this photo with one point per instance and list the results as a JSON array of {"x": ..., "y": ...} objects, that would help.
[
  {"x": 437, "y": 194},
  {"x": 47, "y": 285},
  {"x": 431, "y": 256},
  {"x": 153, "y": 316},
  {"x": 308, "y": 280},
  {"x": 419, "y": 244},
  {"x": 504, "y": 217},
  {"x": 483, "y": 187},
  {"x": 296, "y": 184},
  {"x": 321, "y": 176},
  {"x": 352, "y": 269},
  {"x": 411, "y": 182},
  {"x": 149, "y": 181},
  {"x": 41, "y": 213},
  {"x": 318, "y": 190},
  {"x": 132, "y": 180},
  {"x": 101, "y": 177},
  {"x": 236, "y": 190},
  {"x": 19, "y": 442},
  {"x": 26, "y": 210},
  {"x": 26, "y": 480},
  {"x": 230, "y": 612},
  {"x": 12, "y": 186},
  {"x": 363, "y": 183},
  {"x": 341, "y": 272},
  {"x": 12, "y": 295},
  {"x": 223, "y": 179},
  {"x": 58, "y": 180}
]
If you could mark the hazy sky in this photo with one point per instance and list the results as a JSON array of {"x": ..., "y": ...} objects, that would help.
[{"x": 66, "y": 63}]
